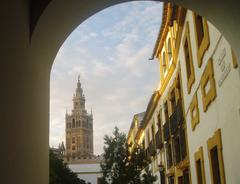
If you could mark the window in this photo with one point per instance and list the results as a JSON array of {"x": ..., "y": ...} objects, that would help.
[
  {"x": 202, "y": 36},
  {"x": 172, "y": 99},
  {"x": 162, "y": 176},
  {"x": 73, "y": 123},
  {"x": 208, "y": 88},
  {"x": 182, "y": 142},
  {"x": 186, "y": 179},
  {"x": 199, "y": 164},
  {"x": 234, "y": 59},
  {"x": 68, "y": 143},
  {"x": 164, "y": 65},
  {"x": 79, "y": 141},
  {"x": 73, "y": 140},
  {"x": 177, "y": 149},
  {"x": 171, "y": 180},
  {"x": 169, "y": 51},
  {"x": 178, "y": 87},
  {"x": 165, "y": 106},
  {"x": 160, "y": 118},
  {"x": 73, "y": 148},
  {"x": 215, "y": 156},
  {"x": 169, "y": 155},
  {"x": 153, "y": 133},
  {"x": 194, "y": 111},
  {"x": 180, "y": 180},
  {"x": 188, "y": 59}
]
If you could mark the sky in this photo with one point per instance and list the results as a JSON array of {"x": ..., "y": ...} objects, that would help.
[{"x": 110, "y": 51}]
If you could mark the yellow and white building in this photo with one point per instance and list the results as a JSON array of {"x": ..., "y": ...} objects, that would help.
[
  {"x": 192, "y": 121},
  {"x": 135, "y": 133}
]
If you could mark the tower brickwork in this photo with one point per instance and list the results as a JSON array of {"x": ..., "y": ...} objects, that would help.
[{"x": 78, "y": 128}]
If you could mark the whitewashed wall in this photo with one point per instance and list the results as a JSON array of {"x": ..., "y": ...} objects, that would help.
[
  {"x": 87, "y": 172},
  {"x": 223, "y": 112}
]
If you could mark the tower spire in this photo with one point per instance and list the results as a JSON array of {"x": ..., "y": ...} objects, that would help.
[{"x": 79, "y": 91}]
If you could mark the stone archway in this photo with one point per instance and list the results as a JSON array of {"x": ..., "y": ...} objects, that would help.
[{"x": 26, "y": 59}]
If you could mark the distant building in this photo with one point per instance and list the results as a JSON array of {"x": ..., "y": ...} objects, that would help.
[
  {"x": 135, "y": 137},
  {"x": 79, "y": 140},
  {"x": 79, "y": 129},
  {"x": 88, "y": 169}
]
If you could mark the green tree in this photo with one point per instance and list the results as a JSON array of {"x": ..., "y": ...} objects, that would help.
[
  {"x": 60, "y": 172},
  {"x": 120, "y": 166},
  {"x": 148, "y": 177},
  {"x": 115, "y": 158},
  {"x": 136, "y": 163}
]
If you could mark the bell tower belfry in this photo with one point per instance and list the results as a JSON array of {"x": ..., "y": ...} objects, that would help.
[{"x": 78, "y": 128}]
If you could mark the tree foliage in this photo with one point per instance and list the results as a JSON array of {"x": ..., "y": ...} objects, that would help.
[
  {"x": 148, "y": 177},
  {"x": 60, "y": 172},
  {"x": 120, "y": 166}
]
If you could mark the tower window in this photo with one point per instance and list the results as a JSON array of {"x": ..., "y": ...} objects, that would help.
[
  {"x": 73, "y": 123},
  {"x": 73, "y": 140}
]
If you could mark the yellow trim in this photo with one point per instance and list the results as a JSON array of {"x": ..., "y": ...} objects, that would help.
[
  {"x": 234, "y": 59},
  {"x": 216, "y": 140},
  {"x": 203, "y": 46},
  {"x": 194, "y": 108},
  {"x": 166, "y": 80},
  {"x": 208, "y": 76},
  {"x": 199, "y": 156},
  {"x": 161, "y": 68},
  {"x": 191, "y": 78},
  {"x": 171, "y": 44},
  {"x": 166, "y": 53}
]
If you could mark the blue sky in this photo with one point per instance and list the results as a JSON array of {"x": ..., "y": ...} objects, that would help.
[{"x": 110, "y": 51}]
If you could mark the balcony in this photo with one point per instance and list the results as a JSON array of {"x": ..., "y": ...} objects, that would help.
[
  {"x": 152, "y": 150},
  {"x": 179, "y": 113},
  {"x": 147, "y": 154},
  {"x": 176, "y": 118},
  {"x": 173, "y": 122},
  {"x": 159, "y": 140},
  {"x": 166, "y": 130},
  {"x": 182, "y": 141}
]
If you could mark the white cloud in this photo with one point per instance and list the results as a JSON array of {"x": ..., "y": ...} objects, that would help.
[{"x": 116, "y": 76}]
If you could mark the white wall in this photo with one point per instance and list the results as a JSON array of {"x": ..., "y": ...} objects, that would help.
[
  {"x": 87, "y": 172},
  {"x": 222, "y": 113}
]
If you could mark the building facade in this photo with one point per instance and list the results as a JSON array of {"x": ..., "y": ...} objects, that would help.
[
  {"x": 88, "y": 169},
  {"x": 135, "y": 133},
  {"x": 78, "y": 128},
  {"x": 192, "y": 118}
]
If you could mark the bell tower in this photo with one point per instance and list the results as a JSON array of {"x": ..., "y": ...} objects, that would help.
[{"x": 78, "y": 128}]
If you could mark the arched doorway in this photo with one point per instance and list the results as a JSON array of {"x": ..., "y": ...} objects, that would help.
[{"x": 25, "y": 73}]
